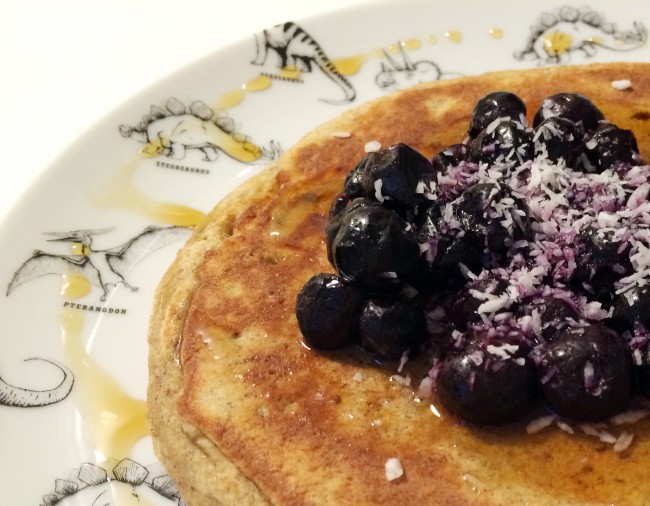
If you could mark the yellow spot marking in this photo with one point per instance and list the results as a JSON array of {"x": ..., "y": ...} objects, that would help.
[
  {"x": 557, "y": 43},
  {"x": 291, "y": 72}
]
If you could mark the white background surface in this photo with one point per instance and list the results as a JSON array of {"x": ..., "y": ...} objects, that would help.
[{"x": 66, "y": 64}]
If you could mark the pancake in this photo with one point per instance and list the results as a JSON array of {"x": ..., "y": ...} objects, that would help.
[{"x": 243, "y": 413}]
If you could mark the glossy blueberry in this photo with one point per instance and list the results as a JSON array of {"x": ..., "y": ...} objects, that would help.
[
  {"x": 482, "y": 387},
  {"x": 373, "y": 246},
  {"x": 390, "y": 327},
  {"x": 499, "y": 104},
  {"x": 451, "y": 156},
  {"x": 557, "y": 138},
  {"x": 600, "y": 261},
  {"x": 572, "y": 106},
  {"x": 334, "y": 223},
  {"x": 462, "y": 307},
  {"x": 610, "y": 147},
  {"x": 587, "y": 374},
  {"x": 641, "y": 359},
  {"x": 631, "y": 308},
  {"x": 508, "y": 141},
  {"x": 443, "y": 253},
  {"x": 326, "y": 309},
  {"x": 481, "y": 211},
  {"x": 352, "y": 188},
  {"x": 392, "y": 176},
  {"x": 556, "y": 315}
]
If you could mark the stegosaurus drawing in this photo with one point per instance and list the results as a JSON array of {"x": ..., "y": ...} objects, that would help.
[
  {"x": 568, "y": 31},
  {"x": 174, "y": 129}
]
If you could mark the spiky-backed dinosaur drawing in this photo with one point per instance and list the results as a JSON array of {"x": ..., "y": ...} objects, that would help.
[
  {"x": 558, "y": 35},
  {"x": 105, "y": 268},
  {"x": 174, "y": 129},
  {"x": 296, "y": 48},
  {"x": 14, "y": 396},
  {"x": 125, "y": 483}
]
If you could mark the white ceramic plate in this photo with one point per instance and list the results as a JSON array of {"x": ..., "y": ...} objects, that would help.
[{"x": 84, "y": 249}]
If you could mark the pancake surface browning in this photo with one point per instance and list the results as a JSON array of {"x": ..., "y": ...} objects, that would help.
[{"x": 243, "y": 413}]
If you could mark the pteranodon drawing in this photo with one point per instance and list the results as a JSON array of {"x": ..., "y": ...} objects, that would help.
[{"x": 104, "y": 268}]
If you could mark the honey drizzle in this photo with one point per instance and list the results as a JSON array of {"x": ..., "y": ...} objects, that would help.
[
  {"x": 121, "y": 192},
  {"x": 115, "y": 420}
]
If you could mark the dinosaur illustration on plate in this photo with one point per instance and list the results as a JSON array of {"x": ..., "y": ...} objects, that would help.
[
  {"x": 175, "y": 129},
  {"x": 18, "y": 397},
  {"x": 559, "y": 35},
  {"x": 395, "y": 75},
  {"x": 295, "y": 48},
  {"x": 104, "y": 268},
  {"x": 125, "y": 483}
]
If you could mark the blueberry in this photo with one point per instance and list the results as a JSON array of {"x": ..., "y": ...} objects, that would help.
[
  {"x": 326, "y": 309},
  {"x": 373, "y": 246},
  {"x": 557, "y": 138},
  {"x": 462, "y": 307},
  {"x": 352, "y": 188},
  {"x": 611, "y": 147},
  {"x": 600, "y": 262},
  {"x": 508, "y": 141},
  {"x": 389, "y": 327},
  {"x": 486, "y": 387},
  {"x": 556, "y": 315},
  {"x": 586, "y": 374},
  {"x": 443, "y": 253},
  {"x": 334, "y": 223},
  {"x": 451, "y": 156},
  {"x": 481, "y": 211},
  {"x": 641, "y": 360},
  {"x": 446, "y": 271},
  {"x": 572, "y": 106},
  {"x": 499, "y": 104},
  {"x": 393, "y": 175},
  {"x": 631, "y": 308}
]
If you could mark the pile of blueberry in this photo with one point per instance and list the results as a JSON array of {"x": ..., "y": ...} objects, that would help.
[{"x": 514, "y": 259}]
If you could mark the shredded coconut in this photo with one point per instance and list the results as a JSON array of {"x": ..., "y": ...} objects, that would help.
[
  {"x": 372, "y": 146},
  {"x": 622, "y": 84},
  {"x": 394, "y": 469}
]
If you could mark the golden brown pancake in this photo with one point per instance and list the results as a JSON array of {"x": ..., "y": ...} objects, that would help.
[{"x": 243, "y": 413}]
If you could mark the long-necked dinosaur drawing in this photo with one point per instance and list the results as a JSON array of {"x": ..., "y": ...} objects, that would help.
[
  {"x": 104, "y": 268},
  {"x": 295, "y": 47}
]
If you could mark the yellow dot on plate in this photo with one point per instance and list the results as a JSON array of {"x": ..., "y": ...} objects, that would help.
[
  {"x": 431, "y": 39},
  {"x": 454, "y": 36},
  {"x": 496, "y": 33},
  {"x": 411, "y": 44}
]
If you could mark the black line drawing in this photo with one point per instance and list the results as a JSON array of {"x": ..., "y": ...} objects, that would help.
[
  {"x": 104, "y": 268},
  {"x": 17, "y": 397},
  {"x": 175, "y": 129},
  {"x": 395, "y": 75},
  {"x": 295, "y": 48},
  {"x": 558, "y": 36},
  {"x": 93, "y": 485}
]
